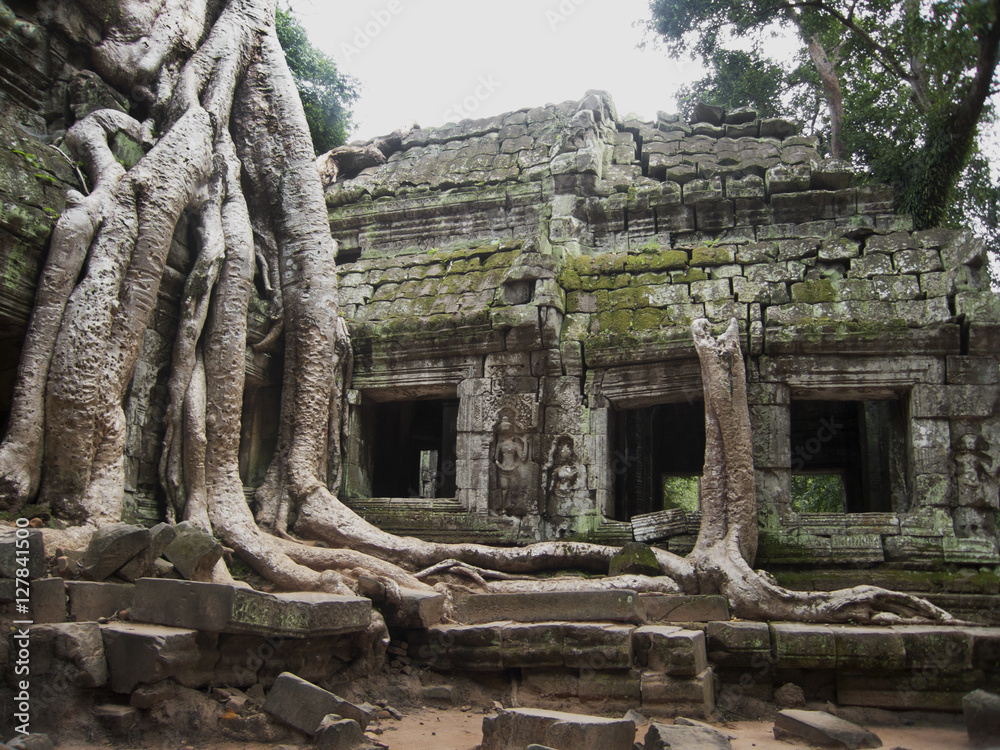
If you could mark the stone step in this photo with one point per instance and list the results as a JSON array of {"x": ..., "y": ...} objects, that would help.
[
  {"x": 495, "y": 646},
  {"x": 588, "y": 606},
  {"x": 222, "y": 608}
]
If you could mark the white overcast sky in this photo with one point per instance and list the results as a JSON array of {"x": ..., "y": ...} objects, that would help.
[{"x": 434, "y": 61}]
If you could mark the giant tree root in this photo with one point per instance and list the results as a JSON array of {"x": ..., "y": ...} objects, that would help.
[{"x": 229, "y": 146}]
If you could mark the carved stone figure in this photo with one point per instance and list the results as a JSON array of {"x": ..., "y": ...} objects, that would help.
[
  {"x": 510, "y": 457},
  {"x": 562, "y": 476}
]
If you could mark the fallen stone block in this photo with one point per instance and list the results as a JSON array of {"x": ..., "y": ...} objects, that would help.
[
  {"x": 820, "y": 728},
  {"x": 92, "y": 600},
  {"x": 120, "y": 721},
  {"x": 438, "y": 695},
  {"x": 143, "y": 564},
  {"x": 982, "y": 716},
  {"x": 194, "y": 552},
  {"x": 139, "y": 653},
  {"x": 222, "y": 608},
  {"x": 513, "y": 729},
  {"x": 111, "y": 547},
  {"x": 48, "y": 600},
  {"x": 304, "y": 706},
  {"x": 13, "y": 557},
  {"x": 75, "y": 650},
  {"x": 336, "y": 733},
  {"x": 667, "y": 737}
]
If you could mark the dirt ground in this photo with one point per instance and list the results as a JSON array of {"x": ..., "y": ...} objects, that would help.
[{"x": 455, "y": 729}]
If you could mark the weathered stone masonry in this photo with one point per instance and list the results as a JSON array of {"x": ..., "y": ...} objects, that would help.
[
  {"x": 519, "y": 291},
  {"x": 535, "y": 275}
]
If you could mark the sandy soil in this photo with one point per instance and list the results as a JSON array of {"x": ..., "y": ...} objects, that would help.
[{"x": 454, "y": 729}]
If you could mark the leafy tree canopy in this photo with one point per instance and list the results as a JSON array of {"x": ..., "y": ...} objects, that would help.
[
  {"x": 900, "y": 88},
  {"x": 326, "y": 93}
]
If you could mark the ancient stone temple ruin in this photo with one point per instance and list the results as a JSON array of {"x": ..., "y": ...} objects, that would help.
[{"x": 520, "y": 291}]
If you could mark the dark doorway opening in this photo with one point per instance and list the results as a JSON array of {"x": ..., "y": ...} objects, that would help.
[
  {"x": 414, "y": 448},
  {"x": 848, "y": 456},
  {"x": 658, "y": 457}
]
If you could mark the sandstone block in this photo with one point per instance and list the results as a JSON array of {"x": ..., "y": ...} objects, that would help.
[
  {"x": 531, "y": 645},
  {"x": 804, "y": 646},
  {"x": 982, "y": 716},
  {"x": 194, "y": 552},
  {"x": 823, "y": 729},
  {"x": 657, "y": 608},
  {"x": 80, "y": 648},
  {"x": 597, "y": 646},
  {"x": 92, "y": 600},
  {"x": 338, "y": 734},
  {"x": 111, "y": 547},
  {"x": 673, "y": 737},
  {"x": 417, "y": 609},
  {"x": 141, "y": 565},
  {"x": 302, "y": 705},
  {"x": 138, "y": 654},
  {"x": 514, "y": 729},
  {"x": 48, "y": 600},
  {"x": 664, "y": 695},
  {"x": 14, "y": 554},
  {"x": 671, "y": 650},
  {"x": 222, "y": 608},
  {"x": 620, "y": 606}
]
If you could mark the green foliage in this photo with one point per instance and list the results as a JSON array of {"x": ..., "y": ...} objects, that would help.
[
  {"x": 818, "y": 493},
  {"x": 915, "y": 79},
  {"x": 326, "y": 93},
  {"x": 681, "y": 492}
]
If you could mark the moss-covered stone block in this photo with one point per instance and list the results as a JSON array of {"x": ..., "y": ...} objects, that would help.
[
  {"x": 811, "y": 292},
  {"x": 712, "y": 255}
]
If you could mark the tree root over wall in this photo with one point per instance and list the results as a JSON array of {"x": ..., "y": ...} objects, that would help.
[{"x": 227, "y": 143}]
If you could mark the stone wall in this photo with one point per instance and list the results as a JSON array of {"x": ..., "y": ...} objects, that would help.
[{"x": 543, "y": 268}]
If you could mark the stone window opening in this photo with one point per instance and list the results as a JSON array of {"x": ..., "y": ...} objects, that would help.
[
  {"x": 849, "y": 456},
  {"x": 658, "y": 458},
  {"x": 414, "y": 448}
]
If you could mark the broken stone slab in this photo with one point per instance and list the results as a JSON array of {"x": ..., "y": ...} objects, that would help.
[
  {"x": 515, "y": 728},
  {"x": 224, "y": 608},
  {"x": 13, "y": 557},
  {"x": 686, "y": 722},
  {"x": 820, "y": 728},
  {"x": 304, "y": 706},
  {"x": 92, "y": 600},
  {"x": 143, "y": 564},
  {"x": 982, "y": 716},
  {"x": 75, "y": 650},
  {"x": 336, "y": 733},
  {"x": 194, "y": 552},
  {"x": 144, "y": 654},
  {"x": 541, "y": 606},
  {"x": 679, "y": 737},
  {"x": 111, "y": 547}
]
